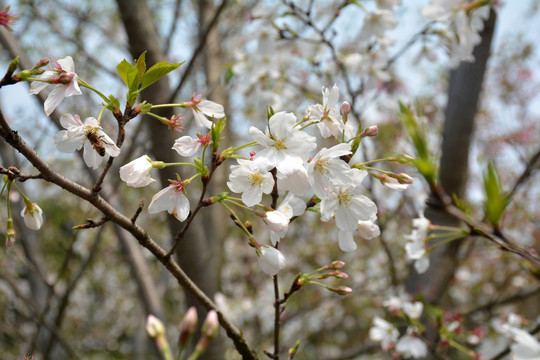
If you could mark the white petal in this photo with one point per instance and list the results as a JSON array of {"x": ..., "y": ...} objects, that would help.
[
  {"x": 271, "y": 260},
  {"x": 201, "y": 120},
  {"x": 90, "y": 156},
  {"x": 346, "y": 241},
  {"x": 67, "y": 64},
  {"x": 212, "y": 109},
  {"x": 161, "y": 201},
  {"x": 186, "y": 146},
  {"x": 54, "y": 99}
]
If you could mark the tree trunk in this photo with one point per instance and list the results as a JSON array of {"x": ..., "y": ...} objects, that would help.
[{"x": 463, "y": 94}]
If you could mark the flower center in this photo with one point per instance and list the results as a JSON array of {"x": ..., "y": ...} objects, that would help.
[
  {"x": 322, "y": 166},
  {"x": 280, "y": 144},
  {"x": 345, "y": 199},
  {"x": 255, "y": 178},
  {"x": 178, "y": 185}
]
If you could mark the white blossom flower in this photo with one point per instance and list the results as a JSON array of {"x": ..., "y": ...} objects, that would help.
[
  {"x": 413, "y": 310},
  {"x": 62, "y": 74},
  {"x": 525, "y": 346},
  {"x": 188, "y": 146},
  {"x": 270, "y": 259},
  {"x": 326, "y": 115},
  {"x": 376, "y": 23},
  {"x": 347, "y": 203},
  {"x": 282, "y": 139},
  {"x": 252, "y": 179},
  {"x": 289, "y": 207},
  {"x": 32, "y": 215},
  {"x": 410, "y": 346},
  {"x": 367, "y": 229},
  {"x": 90, "y": 135},
  {"x": 326, "y": 168},
  {"x": 172, "y": 200},
  {"x": 415, "y": 247},
  {"x": 292, "y": 176},
  {"x": 202, "y": 108},
  {"x": 277, "y": 221},
  {"x": 137, "y": 172},
  {"x": 383, "y": 332}
]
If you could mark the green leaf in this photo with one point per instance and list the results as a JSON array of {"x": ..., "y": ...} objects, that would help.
[
  {"x": 112, "y": 103},
  {"x": 141, "y": 66},
  {"x": 128, "y": 73},
  {"x": 217, "y": 129},
  {"x": 157, "y": 71},
  {"x": 425, "y": 162},
  {"x": 496, "y": 199}
]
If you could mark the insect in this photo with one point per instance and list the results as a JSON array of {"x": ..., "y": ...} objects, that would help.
[{"x": 96, "y": 140}]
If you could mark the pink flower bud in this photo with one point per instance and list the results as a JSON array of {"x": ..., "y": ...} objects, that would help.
[
  {"x": 189, "y": 326},
  {"x": 342, "y": 290},
  {"x": 370, "y": 131},
  {"x": 154, "y": 327},
  {"x": 404, "y": 179},
  {"x": 211, "y": 324},
  {"x": 345, "y": 109},
  {"x": 336, "y": 265}
]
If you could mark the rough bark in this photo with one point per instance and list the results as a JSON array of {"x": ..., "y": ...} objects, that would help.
[{"x": 463, "y": 94}]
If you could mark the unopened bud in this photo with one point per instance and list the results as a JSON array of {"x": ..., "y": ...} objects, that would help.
[
  {"x": 154, "y": 327},
  {"x": 189, "y": 326},
  {"x": 211, "y": 324},
  {"x": 337, "y": 264},
  {"x": 342, "y": 290},
  {"x": 344, "y": 110},
  {"x": 370, "y": 131},
  {"x": 294, "y": 349},
  {"x": 404, "y": 158},
  {"x": 13, "y": 65},
  {"x": 10, "y": 233},
  {"x": 338, "y": 274},
  {"x": 41, "y": 63},
  {"x": 404, "y": 179}
]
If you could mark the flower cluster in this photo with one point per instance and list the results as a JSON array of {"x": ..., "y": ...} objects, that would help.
[{"x": 410, "y": 345}]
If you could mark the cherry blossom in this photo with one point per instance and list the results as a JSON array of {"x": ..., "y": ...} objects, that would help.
[
  {"x": 282, "y": 139},
  {"x": 62, "y": 74},
  {"x": 525, "y": 346},
  {"x": 188, "y": 146},
  {"x": 415, "y": 247},
  {"x": 270, "y": 259},
  {"x": 327, "y": 116},
  {"x": 202, "y": 108},
  {"x": 32, "y": 215},
  {"x": 383, "y": 332},
  {"x": 172, "y": 200},
  {"x": 326, "y": 168},
  {"x": 90, "y": 135},
  {"x": 137, "y": 172},
  {"x": 292, "y": 176},
  {"x": 252, "y": 179},
  {"x": 347, "y": 203},
  {"x": 289, "y": 207},
  {"x": 410, "y": 346}
]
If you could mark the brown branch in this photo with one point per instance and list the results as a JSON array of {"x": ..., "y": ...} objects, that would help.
[{"x": 139, "y": 233}]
